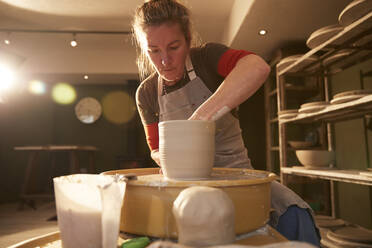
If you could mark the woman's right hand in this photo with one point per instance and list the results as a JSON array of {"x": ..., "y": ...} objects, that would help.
[{"x": 156, "y": 157}]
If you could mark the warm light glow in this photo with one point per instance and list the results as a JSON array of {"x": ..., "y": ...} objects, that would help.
[
  {"x": 73, "y": 43},
  {"x": 7, "y": 42},
  {"x": 63, "y": 93},
  {"x": 37, "y": 87},
  {"x": 262, "y": 32},
  {"x": 118, "y": 107},
  {"x": 86, "y": 77},
  {"x": 6, "y": 77}
]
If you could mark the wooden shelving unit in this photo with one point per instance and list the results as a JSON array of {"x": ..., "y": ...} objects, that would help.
[{"x": 353, "y": 37}]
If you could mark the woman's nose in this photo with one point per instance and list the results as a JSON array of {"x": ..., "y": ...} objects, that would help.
[{"x": 165, "y": 60}]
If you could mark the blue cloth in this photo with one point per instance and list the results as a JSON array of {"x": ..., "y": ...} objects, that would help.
[{"x": 297, "y": 224}]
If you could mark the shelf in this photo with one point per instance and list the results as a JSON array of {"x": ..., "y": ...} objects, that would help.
[
  {"x": 347, "y": 35},
  {"x": 336, "y": 112},
  {"x": 348, "y": 176}
]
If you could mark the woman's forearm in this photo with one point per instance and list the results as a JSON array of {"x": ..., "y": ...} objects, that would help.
[{"x": 242, "y": 82}]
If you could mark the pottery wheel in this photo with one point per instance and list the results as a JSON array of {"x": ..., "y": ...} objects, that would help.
[
  {"x": 147, "y": 206},
  {"x": 217, "y": 178}
]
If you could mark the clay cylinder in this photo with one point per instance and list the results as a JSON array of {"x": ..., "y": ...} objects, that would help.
[{"x": 187, "y": 148}]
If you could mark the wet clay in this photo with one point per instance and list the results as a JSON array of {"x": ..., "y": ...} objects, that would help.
[{"x": 204, "y": 216}]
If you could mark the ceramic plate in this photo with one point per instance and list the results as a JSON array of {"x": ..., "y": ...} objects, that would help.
[
  {"x": 352, "y": 92},
  {"x": 323, "y": 34},
  {"x": 329, "y": 222},
  {"x": 355, "y": 10},
  {"x": 311, "y": 109},
  {"x": 291, "y": 59},
  {"x": 336, "y": 57},
  {"x": 310, "y": 104},
  {"x": 352, "y": 234},
  {"x": 344, "y": 99}
]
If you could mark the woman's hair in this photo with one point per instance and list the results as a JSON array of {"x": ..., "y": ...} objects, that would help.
[{"x": 154, "y": 13}]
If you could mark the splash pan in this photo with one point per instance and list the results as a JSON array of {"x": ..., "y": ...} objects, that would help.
[{"x": 147, "y": 208}]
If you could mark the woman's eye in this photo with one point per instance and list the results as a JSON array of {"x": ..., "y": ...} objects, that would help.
[{"x": 174, "y": 48}]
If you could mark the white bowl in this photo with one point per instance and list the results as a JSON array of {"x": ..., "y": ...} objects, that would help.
[{"x": 315, "y": 158}]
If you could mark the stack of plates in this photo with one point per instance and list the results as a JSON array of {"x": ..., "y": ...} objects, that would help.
[
  {"x": 354, "y": 11},
  {"x": 348, "y": 96},
  {"x": 351, "y": 236},
  {"x": 288, "y": 114},
  {"x": 328, "y": 222},
  {"x": 323, "y": 34},
  {"x": 292, "y": 59},
  {"x": 312, "y": 107}
]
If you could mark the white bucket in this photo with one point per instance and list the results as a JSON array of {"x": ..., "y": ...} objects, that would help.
[{"x": 88, "y": 209}]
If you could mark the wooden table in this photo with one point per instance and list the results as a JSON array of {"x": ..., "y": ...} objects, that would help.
[{"x": 28, "y": 197}]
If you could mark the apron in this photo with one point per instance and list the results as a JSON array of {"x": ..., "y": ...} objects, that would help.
[{"x": 230, "y": 149}]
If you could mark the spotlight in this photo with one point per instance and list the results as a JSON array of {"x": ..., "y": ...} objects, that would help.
[
  {"x": 7, "y": 39},
  {"x": 73, "y": 43},
  {"x": 262, "y": 32}
]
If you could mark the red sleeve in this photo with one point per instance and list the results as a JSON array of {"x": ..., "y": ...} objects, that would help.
[
  {"x": 152, "y": 135},
  {"x": 229, "y": 59}
]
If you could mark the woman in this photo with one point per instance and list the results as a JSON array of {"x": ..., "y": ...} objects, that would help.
[{"x": 205, "y": 83}]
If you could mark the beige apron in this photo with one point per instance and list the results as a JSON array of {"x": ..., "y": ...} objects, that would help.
[{"x": 230, "y": 149}]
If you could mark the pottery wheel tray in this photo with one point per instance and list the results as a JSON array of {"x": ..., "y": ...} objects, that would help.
[{"x": 263, "y": 236}]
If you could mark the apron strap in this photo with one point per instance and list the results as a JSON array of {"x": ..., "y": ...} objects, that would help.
[{"x": 190, "y": 69}]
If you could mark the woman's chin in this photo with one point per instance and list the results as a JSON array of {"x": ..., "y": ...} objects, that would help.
[{"x": 169, "y": 80}]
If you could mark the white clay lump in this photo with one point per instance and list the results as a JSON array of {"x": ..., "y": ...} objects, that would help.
[{"x": 205, "y": 216}]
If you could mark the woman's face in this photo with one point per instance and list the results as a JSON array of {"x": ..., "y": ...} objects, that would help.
[{"x": 167, "y": 49}]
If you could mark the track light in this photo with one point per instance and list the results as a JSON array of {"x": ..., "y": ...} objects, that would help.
[
  {"x": 7, "y": 39},
  {"x": 262, "y": 32},
  {"x": 73, "y": 43}
]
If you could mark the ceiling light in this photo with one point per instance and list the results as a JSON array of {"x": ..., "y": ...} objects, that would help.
[
  {"x": 7, "y": 39},
  {"x": 262, "y": 32},
  {"x": 86, "y": 77},
  {"x": 73, "y": 43}
]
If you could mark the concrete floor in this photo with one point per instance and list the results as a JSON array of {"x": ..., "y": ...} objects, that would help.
[{"x": 17, "y": 226}]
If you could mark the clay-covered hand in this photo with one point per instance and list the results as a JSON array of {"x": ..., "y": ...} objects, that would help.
[{"x": 156, "y": 157}]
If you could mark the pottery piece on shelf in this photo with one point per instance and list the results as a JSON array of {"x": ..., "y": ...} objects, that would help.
[
  {"x": 337, "y": 56},
  {"x": 292, "y": 59},
  {"x": 354, "y": 11},
  {"x": 317, "y": 103},
  {"x": 315, "y": 158},
  {"x": 349, "y": 96},
  {"x": 328, "y": 221},
  {"x": 288, "y": 114},
  {"x": 312, "y": 107},
  {"x": 352, "y": 235},
  {"x": 353, "y": 92},
  {"x": 322, "y": 35}
]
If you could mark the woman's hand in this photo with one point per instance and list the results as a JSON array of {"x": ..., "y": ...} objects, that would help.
[
  {"x": 242, "y": 82},
  {"x": 156, "y": 157}
]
